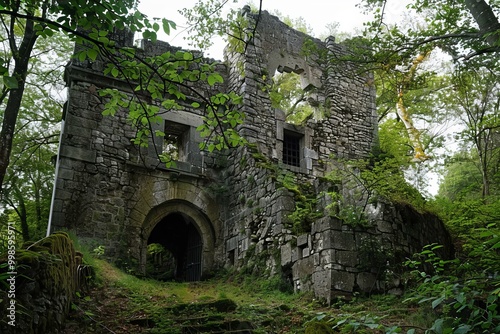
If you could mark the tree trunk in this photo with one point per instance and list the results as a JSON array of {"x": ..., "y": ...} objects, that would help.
[
  {"x": 21, "y": 212},
  {"x": 486, "y": 19},
  {"x": 37, "y": 185},
  {"x": 404, "y": 115},
  {"x": 484, "y": 159},
  {"x": 21, "y": 58}
]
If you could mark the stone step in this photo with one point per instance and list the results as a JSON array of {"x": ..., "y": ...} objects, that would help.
[
  {"x": 211, "y": 317},
  {"x": 232, "y": 326}
]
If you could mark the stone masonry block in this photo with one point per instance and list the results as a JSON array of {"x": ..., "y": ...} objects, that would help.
[
  {"x": 66, "y": 174},
  {"x": 342, "y": 280},
  {"x": 78, "y": 153},
  {"x": 326, "y": 257},
  {"x": 343, "y": 240},
  {"x": 286, "y": 254},
  {"x": 303, "y": 268},
  {"x": 295, "y": 254},
  {"x": 347, "y": 258},
  {"x": 302, "y": 240},
  {"x": 231, "y": 243},
  {"x": 384, "y": 226}
]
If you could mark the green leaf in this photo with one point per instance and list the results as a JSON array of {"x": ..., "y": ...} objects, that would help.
[
  {"x": 372, "y": 326},
  {"x": 214, "y": 78},
  {"x": 195, "y": 105},
  {"x": 167, "y": 24},
  {"x": 460, "y": 298},
  {"x": 10, "y": 82},
  {"x": 82, "y": 56},
  {"x": 92, "y": 54},
  {"x": 437, "y": 302},
  {"x": 438, "y": 326},
  {"x": 462, "y": 329}
]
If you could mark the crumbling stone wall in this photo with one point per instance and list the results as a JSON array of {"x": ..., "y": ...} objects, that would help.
[
  {"x": 254, "y": 210},
  {"x": 337, "y": 258},
  {"x": 45, "y": 283}
]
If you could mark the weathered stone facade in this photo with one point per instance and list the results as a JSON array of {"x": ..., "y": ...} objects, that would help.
[{"x": 232, "y": 208}]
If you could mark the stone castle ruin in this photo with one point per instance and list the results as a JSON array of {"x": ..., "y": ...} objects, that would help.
[{"x": 263, "y": 208}]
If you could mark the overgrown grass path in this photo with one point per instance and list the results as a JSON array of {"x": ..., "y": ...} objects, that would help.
[{"x": 121, "y": 303}]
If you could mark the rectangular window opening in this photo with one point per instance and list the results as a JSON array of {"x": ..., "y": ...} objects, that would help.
[
  {"x": 175, "y": 140},
  {"x": 291, "y": 148}
]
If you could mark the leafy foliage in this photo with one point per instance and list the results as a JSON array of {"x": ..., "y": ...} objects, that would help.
[
  {"x": 449, "y": 25},
  {"x": 287, "y": 94},
  {"x": 367, "y": 180},
  {"x": 465, "y": 304},
  {"x": 28, "y": 183}
]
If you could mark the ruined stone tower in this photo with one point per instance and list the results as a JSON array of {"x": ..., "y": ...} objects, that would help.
[{"x": 235, "y": 209}]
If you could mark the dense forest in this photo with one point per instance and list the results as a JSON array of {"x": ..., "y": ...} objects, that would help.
[{"x": 437, "y": 78}]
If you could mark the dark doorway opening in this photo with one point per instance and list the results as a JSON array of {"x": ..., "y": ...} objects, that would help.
[{"x": 174, "y": 249}]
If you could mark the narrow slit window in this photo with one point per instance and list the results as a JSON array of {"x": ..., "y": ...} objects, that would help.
[{"x": 291, "y": 149}]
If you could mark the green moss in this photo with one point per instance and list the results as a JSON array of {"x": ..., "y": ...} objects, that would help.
[
  {"x": 28, "y": 257},
  {"x": 259, "y": 156},
  {"x": 318, "y": 327}
]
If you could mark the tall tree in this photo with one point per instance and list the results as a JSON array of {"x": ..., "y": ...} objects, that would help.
[
  {"x": 477, "y": 93},
  {"x": 28, "y": 181}
]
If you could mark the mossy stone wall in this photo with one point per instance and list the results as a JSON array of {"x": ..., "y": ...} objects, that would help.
[{"x": 45, "y": 284}]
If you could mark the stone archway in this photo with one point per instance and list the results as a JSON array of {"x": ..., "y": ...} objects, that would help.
[
  {"x": 186, "y": 232},
  {"x": 180, "y": 246}
]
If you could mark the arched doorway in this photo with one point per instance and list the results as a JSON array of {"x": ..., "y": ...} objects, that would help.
[
  {"x": 177, "y": 239},
  {"x": 180, "y": 254}
]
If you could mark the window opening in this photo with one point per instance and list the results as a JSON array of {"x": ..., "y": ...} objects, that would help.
[
  {"x": 291, "y": 148},
  {"x": 174, "y": 141},
  {"x": 287, "y": 94}
]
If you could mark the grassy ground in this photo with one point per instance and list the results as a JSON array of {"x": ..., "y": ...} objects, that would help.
[{"x": 121, "y": 303}]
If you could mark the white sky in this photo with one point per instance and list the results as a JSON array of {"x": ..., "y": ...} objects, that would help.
[{"x": 317, "y": 14}]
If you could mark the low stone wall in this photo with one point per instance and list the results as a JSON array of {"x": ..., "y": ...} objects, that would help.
[
  {"x": 337, "y": 259},
  {"x": 42, "y": 288}
]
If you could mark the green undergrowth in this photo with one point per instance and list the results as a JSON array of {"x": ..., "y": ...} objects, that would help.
[
  {"x": 218, "y": 305},
  {"x": 439, "y": 299},
  {"x": 122, "y": 303}
]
